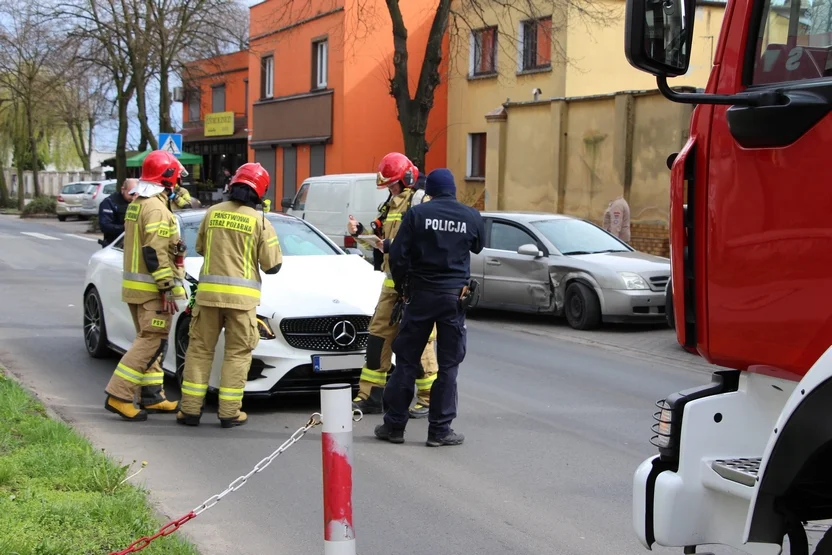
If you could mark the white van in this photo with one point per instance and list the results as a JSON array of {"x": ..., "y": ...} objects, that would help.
[{"x": 327, "y": 202}]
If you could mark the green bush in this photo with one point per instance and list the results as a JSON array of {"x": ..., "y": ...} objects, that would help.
[
  {"x": 40, "y": 205},
  {"x": 94, "y": 227}
]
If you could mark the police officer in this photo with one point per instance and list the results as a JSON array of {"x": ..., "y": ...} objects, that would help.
[
  {"x": 112, "y": 209},
  {"x": 235, "y": 242},
  {"x": 151, "y": 285},
  {"x": 430, "y": 264},
  {"x": 398, "y": 174}
]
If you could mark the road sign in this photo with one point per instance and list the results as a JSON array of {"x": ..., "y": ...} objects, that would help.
[{"x": 172, "y": 142}]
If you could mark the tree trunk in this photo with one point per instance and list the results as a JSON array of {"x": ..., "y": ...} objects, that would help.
[
  {"x": 121, "y": 141},
  {"x": 21, "y": 195},
  {"x": 164, "y": 100},
  {"x": 4, "y": 190},
  {"x": 33, "y": 144},
  {"x": 147, "y": 136}
]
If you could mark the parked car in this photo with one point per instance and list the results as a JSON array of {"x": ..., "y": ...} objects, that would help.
[
  {"x": 94, "y": 194},
  {"x": 327, "y": 202},
  {"x": 552, "y": 263},
  {"x": 313, "y": 318},
  {"x": 69, "y": 199}
]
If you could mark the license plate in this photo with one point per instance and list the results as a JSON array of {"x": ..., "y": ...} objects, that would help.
[{"x": 331, "y": 363}]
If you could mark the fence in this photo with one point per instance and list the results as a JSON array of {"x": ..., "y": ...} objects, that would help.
[
  {"x": 575, "y": 155},
  {"x": 50, "y": 182}
]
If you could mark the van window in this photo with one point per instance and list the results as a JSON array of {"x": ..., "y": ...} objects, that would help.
[{"x": 300, "y": 198}]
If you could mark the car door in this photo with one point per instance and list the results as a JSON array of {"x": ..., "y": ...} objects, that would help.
[
  {"x": 120, "y": 328},
  {"x": 512, "y": 280},
  {"x": 767, "y": 197}
]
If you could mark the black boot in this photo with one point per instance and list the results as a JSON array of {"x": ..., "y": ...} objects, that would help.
[
  {"x": 385, "y": 432},
  {"x": 451, "y": 438},
  {"x": 373, "y": 404}
]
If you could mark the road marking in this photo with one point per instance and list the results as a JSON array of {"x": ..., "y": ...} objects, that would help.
[
  {"x": 81, "y": 237},
  {"x": 39, "y": 235}
]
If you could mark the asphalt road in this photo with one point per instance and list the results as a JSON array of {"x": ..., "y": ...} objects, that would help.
[{"x": 554, "y": 430}]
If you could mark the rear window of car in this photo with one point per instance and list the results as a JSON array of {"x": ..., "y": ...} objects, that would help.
[
  {"x": 73, "y": 188},
  {"x": 296, "y": 238}
]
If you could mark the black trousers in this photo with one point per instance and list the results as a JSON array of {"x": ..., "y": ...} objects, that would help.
[{"x": 425, "y": 309}]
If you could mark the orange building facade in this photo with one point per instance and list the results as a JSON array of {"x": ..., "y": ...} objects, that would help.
[
  {"x": 215, "y": 111},
  {"x": 318, "y": 78}
]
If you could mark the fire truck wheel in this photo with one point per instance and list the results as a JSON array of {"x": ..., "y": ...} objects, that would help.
[{"x": 583, "y": 311}]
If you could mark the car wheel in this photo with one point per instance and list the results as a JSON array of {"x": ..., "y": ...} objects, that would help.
[
  {"x": 95, "y": 332},
  {"x": 182, "y": 337},
  {"x": 583, "y": 311},
  {"x": 61, "y": 218}
]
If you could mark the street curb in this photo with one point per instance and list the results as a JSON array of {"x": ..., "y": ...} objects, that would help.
[{"x": 161, "y": 516}]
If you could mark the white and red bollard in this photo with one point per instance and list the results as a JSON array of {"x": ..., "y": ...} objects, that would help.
[{"x": 336, "y": 447}]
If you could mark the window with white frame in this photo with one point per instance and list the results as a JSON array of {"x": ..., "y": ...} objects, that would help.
[
  {"x": 535, "y": 50},
  {"x": 476, "y": 156},
  {"x": 483, "y": 57},
  {"x": 319, "y": 64},
  {"x": 267, "y": 77}
]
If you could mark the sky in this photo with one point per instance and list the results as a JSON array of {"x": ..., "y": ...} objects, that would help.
[{"x": 106, "y": 134}]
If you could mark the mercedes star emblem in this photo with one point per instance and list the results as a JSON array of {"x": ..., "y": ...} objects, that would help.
[{"x": 344, "y": 333}]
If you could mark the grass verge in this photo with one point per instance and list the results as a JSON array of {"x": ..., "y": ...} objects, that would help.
[{"x": 59, "y": 495}]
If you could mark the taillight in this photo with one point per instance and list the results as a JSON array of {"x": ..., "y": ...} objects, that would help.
[
  {"x": 349, "y": 242},
  {"x": 60, "y": 198},
  {"x": 95, "y": 194}
]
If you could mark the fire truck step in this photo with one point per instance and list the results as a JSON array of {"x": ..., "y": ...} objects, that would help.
[{"x": 741, "y": 471}]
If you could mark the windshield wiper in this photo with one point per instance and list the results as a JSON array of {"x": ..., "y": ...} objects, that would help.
[
  {"x": 610, "y": 250},
  {"x": 576, "y": 252}
]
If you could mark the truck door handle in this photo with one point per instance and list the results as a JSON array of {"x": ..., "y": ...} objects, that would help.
[
  {"x": 493, "y": 262},
  {"x": 777, "y": 124}
]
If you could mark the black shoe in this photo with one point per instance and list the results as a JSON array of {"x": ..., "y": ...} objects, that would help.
[
  {"x": 419, "y": 411},
  {"x": 371, "y": 405},
  {"x": 451, "y": 438},
  {"x": 187, "y": 419},
  {"x": 383, "y": 431}
]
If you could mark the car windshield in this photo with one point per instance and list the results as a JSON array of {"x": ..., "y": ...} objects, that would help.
[
  {"x": 296, "y": 238},
  {"x": 578, "y": 237}
]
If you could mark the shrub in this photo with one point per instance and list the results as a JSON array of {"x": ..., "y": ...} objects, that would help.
[
  {"x": 94, "y": 227},
  {"x": 40, "y": 205}
]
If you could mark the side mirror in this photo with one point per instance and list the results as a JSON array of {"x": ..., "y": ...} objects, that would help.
[
  {"x": 351, "y": 250},
  {"x": 658, "y": 35},
  {"x": 287, "y": 202},
  {"x": 529, "y": 250}
]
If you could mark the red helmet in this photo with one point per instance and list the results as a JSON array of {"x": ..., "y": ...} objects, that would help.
[
  {"x": 255, "y": 176},
  {"x": 396, "y": 167},
  {"x": 161, "y": 167}
]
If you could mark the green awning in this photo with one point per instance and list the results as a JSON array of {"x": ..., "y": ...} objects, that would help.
[{"x": 186, "y": 158}]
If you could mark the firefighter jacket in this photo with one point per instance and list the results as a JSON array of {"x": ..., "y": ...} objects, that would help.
[
  {"x": 150, "y": 238},
  {"x": 236, "y": 242},
  {"x": 396, "y": 209},
  {"x": 182, "y": 199}
]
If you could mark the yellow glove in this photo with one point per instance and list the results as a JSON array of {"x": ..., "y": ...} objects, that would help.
[{"x": 267, "y": 205}]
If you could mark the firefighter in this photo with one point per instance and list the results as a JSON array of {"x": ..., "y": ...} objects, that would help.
[
  {"x": 235, "y": 241},
  {"x": 399, "y": 175},
  {"x": 151, "y": 285},
  {"x": 181, "y": 198}
]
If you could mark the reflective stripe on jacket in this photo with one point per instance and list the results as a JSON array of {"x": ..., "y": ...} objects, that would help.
[
  {"x": 150, "y": 237},
  {"x": 236, "y": 243}
]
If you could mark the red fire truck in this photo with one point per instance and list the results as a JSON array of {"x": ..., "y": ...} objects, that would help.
[{"x": 746, "y": 460}]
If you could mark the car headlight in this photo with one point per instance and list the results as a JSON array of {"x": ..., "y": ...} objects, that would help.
[
  {"x": 264, "y": 328},
  {"x": 633, "y": 281}
]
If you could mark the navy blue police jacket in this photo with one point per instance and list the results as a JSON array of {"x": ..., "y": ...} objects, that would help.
[{"x": 433, "y": 246}]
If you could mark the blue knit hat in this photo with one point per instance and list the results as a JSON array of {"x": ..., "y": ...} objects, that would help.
[{"x": 440, "y": 182}]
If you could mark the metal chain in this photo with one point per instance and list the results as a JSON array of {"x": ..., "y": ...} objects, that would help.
[{"x": 173, "y": 526}]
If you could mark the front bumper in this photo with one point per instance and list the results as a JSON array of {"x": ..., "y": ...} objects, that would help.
[{"x": 625, "y": 305}]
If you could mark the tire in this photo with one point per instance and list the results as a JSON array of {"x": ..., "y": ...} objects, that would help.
[
  {"x": 583, "y": 311},
  {"x": 95, "y": 330},
  {"x": 181, "y": 339},
  {"x": 61, "y": 218}
]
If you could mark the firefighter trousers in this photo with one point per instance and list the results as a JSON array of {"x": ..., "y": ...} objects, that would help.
[
  {"x": 380, "y": 352},
  {"x": 241, "y": 338},
  {"x": 139, "y": 370}
]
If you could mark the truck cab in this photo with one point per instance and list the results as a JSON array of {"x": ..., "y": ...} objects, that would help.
[{"x": 746, "y": 460}]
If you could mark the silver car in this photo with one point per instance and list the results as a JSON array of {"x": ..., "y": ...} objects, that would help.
[
  {"x": 552, "y": 263},
  {"x": 95, "y": 193},
  {"x": 69, "y": 199}
]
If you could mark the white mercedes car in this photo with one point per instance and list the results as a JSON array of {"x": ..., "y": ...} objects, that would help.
[{"x": 314, "y": 314}]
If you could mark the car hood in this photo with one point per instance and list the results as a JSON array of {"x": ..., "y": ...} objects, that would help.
[
  {"x": 627, "y": 261},
  {"x": 315, "y": 286}
]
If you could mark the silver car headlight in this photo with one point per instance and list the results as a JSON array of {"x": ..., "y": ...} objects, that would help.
[{"x": 633, "y": 281}]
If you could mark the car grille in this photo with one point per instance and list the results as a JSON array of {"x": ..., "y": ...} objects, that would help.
[
  {"x": 658, "y": 283},
  {"x": 316, "y": 334}
]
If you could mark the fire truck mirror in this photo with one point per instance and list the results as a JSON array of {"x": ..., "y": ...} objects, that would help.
[{"x": 658, "y": 35}]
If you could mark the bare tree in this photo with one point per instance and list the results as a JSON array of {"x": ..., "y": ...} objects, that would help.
[
  {"x": 456, "y": 18},
  {"x": 35, "y": 55},
  {"x": 82, "y": 104}
]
